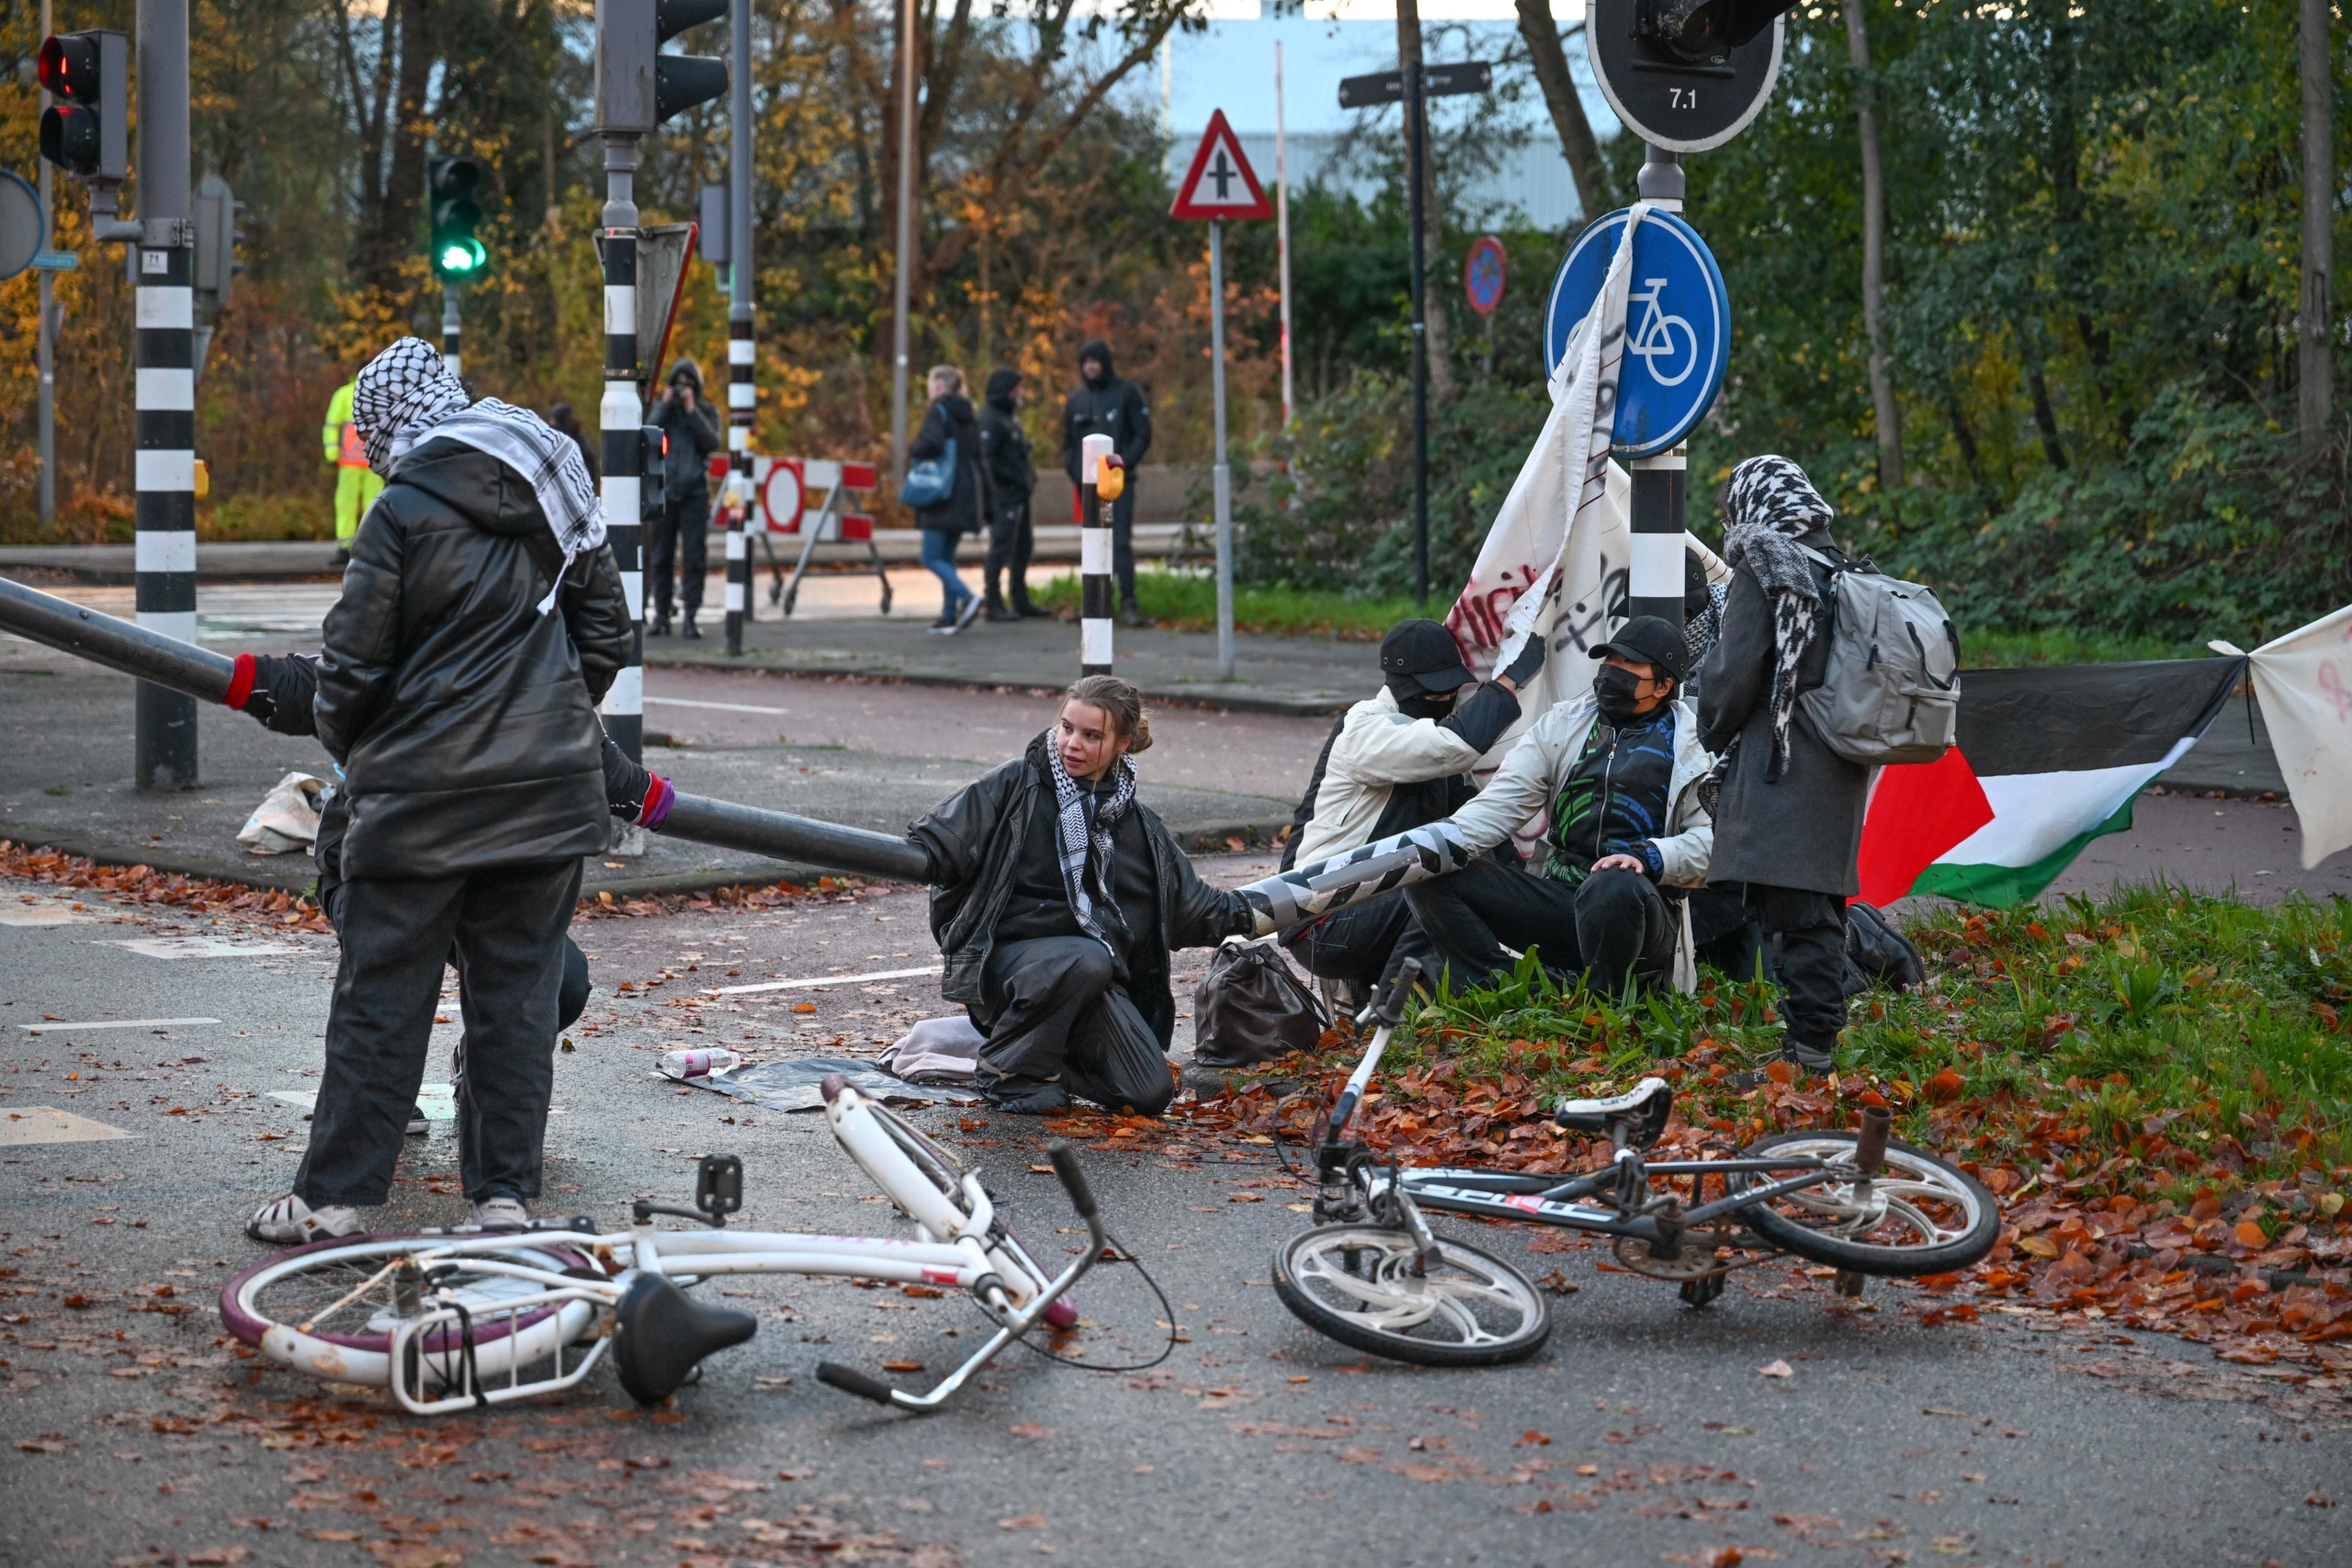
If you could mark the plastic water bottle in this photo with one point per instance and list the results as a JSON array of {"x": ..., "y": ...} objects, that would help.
[{"x": 699, "y": 1064}]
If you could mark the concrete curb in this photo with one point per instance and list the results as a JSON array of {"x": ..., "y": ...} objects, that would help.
[{"x": 1188, "y": 696}]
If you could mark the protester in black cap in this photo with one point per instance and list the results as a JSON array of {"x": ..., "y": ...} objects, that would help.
[
  {"x": 1395, "y": 761},
  {"x": 1004, "y": 452},
  {"x": 1619, "y": 770},
  {"x": 1104, "y": 405}
]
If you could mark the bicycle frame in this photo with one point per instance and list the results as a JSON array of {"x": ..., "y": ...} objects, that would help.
[{"x": 447, "y": 1354}]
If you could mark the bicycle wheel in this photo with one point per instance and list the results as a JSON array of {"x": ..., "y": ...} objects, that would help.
[
  {"x": 1925, "y": 1214},
  {"x": 329, "y": 1309},
  {"x": 1356, "y": 1284}
]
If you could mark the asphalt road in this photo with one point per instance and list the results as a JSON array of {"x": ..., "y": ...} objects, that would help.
[{"x": 1645, "y": 1434}]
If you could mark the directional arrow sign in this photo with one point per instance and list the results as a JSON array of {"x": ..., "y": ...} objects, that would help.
[
  {"x": 1221, "y": 183},
  {"x": 1443, "y": 81}
]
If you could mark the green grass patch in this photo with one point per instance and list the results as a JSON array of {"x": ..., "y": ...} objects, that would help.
[
  {"x": 1996, "y": 648},
  {"x": 1187, "y": 602}
]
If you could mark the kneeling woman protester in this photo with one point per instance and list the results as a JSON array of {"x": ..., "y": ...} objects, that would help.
[{"x": 1056, "y": 898}]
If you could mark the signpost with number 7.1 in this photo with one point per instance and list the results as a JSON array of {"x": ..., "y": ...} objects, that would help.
[{"x": 1220, "y": 185}]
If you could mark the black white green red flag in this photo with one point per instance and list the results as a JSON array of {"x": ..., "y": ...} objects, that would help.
[{"x": 2047, "y": 761}]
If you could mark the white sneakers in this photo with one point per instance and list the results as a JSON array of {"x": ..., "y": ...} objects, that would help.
[
  {"x": 502, "y": 1214},
  {"x": 289, "y": 1221}
]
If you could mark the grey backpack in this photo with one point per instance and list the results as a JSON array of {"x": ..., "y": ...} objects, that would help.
[{"x": 1892, "y": 692}]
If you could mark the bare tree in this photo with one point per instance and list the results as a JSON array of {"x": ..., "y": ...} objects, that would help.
[
  {"x": 1408, "y": 59},
  {"x": 1887, "y": 417},
  {"x": 2316, "y": 366},
  {"x": 1596, "y": 193}
]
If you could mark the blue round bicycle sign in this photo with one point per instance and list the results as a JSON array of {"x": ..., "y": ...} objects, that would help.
[{"x": 1678, "y": 326}]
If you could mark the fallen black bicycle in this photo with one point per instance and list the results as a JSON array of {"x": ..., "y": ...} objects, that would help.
[{"x": 1373, "y": 1276}]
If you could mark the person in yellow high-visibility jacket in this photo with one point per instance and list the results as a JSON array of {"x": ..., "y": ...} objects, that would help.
[{"x": 355, "y": 485}]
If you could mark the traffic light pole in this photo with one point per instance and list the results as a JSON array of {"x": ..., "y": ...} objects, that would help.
[
  {"x": 166, "y": 747},
  {"x": 619, "y": 419},
  {"x": 1418, "y": 143},
  {"x": 742, "y": 397},
  {"x": 46, "y": 353},
  {"x": 1661, "y": 484},
  {"x": 452, "y": 352}
]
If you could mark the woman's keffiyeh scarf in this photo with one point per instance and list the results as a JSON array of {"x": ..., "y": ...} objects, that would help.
[
  {"x": 1769, "y": 506},
  {"x": 1086, "y": 852},
  {"x": 406, "y": 394}
]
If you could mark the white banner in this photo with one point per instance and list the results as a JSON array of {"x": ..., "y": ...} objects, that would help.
[{"x": 2304, "y": 681}]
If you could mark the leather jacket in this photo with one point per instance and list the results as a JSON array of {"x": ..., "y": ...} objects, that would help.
[
  {"x": 974, "y": 841},
  {"x": 464, "y": 719}
]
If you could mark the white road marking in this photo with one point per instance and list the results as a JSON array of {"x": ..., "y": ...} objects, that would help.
[
  {"x": 439, "y": 1100},
  {"x": 196, "y": 947},
  {"x": 827, "y": 980},
  {"x": 41, "y": 1124},
  {"x": 115, "y": 1023},
  {"x": 30, "y": 911},
  {"x": 723, "y": 707}
]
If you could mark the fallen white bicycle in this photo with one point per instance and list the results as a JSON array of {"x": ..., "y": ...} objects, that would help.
[{"x": 451, "y": 1321}]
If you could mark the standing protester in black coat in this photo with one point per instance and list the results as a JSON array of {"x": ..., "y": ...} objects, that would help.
[
  {"x": 1789, "y": 821},
  {"x": 1004, "y": 448},
  {"x": 683, "y": 529},
  {"x": 1101, "y": 404},
  {"x": 565, "y": 418},
  {"x": 965, "y": 509},
  {"x": 1056, "y": 898},
  {"x": 480, "y": 620}
]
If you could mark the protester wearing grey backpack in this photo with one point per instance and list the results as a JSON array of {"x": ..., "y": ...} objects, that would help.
[{"x": 1789, "y": 817}]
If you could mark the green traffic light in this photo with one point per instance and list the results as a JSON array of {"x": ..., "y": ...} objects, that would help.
[{"x": 459, "y": 255}]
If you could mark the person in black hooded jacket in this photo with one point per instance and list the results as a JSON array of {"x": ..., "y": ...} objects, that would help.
[
  {"x": 965, "y": 507},
  {"x": 1103, "y": 404},
  {"x": 1012, "y": 477},
  {"x": 480, "y": 620},
  {"x": 1056, "y": 898},
  {"x": 679, "y": 537}
]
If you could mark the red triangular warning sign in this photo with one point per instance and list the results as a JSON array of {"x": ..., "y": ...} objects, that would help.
[{"x": 1221, "y": 183}]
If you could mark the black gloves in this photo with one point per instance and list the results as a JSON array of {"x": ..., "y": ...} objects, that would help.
[
  {"x": 1531, "y": 658},
  {"x": 284, "y": 684}
]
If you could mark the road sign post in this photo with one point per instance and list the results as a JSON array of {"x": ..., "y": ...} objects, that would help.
[
  {"x": 1414, "y": 88},
  {"x": 1220, "y": 185}
]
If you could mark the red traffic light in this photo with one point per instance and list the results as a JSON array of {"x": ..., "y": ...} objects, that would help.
[
  {"x": 69, "y": 67},
  {"x": 87, "y": 131}
]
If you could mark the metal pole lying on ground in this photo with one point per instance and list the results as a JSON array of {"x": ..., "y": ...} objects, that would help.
[
  {"x": 1308, "y": 892},
  {"x": 198, "y": 674},
  {"x": 165, "y": 396},
  {"x": 742, "y": 399},
  {"x": 1094, "y": 557},
  {"x": 1223, "y": 473},
  {"x": 1661, "y": 484}
]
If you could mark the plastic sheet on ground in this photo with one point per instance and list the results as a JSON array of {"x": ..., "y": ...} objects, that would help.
[{"x": 798, "y": 1084}]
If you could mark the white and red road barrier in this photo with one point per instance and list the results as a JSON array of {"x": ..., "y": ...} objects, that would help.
[{"x": 808, "y": 500}]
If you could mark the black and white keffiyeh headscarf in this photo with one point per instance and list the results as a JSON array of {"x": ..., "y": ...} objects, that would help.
[
  {"x": 1769, "y": 506},
  {"x": 406, "y": 394},
  {"x": 1086, "y": 854}
]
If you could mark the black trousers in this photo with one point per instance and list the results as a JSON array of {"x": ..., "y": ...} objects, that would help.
[
  {"x": 1054, "y": 1010},
  {"x": 507, "y": 928},
  {"x": 682, "y": 530},
  {"x": 1812, "y": 931},
  {"x": 1614, "y": 925},
  {"x": 1012, "y": 538},
  {"x": 1363, "y": 942}
]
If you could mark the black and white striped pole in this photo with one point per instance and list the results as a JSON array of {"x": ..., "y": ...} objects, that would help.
[
  {"x": 1661, "y": 484},
  {"x": 1097, "y": 471},
  {"x": 452, "y": 352},
  {"x": 742, "y": 400},
  {"x": 165, "y": 751},
  {"x": 620, "y": 421}
]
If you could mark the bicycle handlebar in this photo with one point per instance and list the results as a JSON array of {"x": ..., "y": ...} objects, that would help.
[
  {"x": 1391, "y": 1003},
  {"x": 1065, "y": 1158},
  {"x": 849, "y": 1380}
]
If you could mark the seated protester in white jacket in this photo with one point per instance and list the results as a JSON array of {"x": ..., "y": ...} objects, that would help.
[
  {"x": 1620, "y": 770},
  {"x": 1398, "y": 761}
]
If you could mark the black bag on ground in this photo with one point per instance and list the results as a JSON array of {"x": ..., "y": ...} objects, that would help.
[
  {"x": 1883, "y": 954},
  {"x": 1252, "y": 1008}
]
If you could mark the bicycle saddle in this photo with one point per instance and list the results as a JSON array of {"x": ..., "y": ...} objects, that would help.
[
  {"x": 1643, "y": 1110},
  {"x": 659, "y": 1333}
]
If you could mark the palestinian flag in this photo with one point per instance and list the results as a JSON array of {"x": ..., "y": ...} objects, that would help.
[{"x": 2047, "y": 761}]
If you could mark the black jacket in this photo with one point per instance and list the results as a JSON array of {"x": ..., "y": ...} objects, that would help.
[
  {"x": 1114, "y": 409},
  {"x": 965, "y": 511},
  {"x": 1804, "y": 829},
  {"x": 974, "y": 839},
  {"x": 464, "y": 719},
  {"x": 693, "y": 438},
  {"x": 1004, "y": 446}
]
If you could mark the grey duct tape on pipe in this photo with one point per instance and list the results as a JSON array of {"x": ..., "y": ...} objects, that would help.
[
  {"x": 135, "y": 650},
  {"x": 1310, "y": 891}
]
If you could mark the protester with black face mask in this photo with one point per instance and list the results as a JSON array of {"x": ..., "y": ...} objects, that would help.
[
  {"x": 1395, "y": 761},
  {"x": 1618, "y": 769}
]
